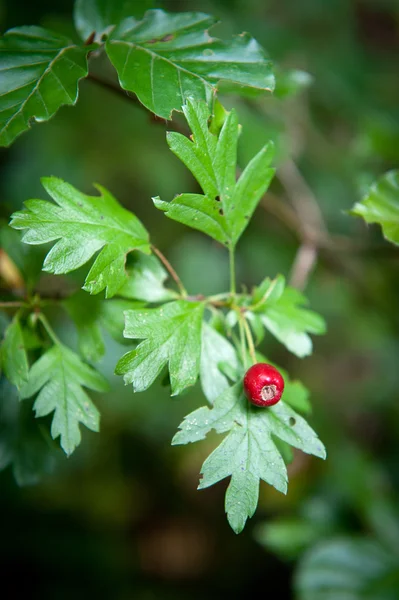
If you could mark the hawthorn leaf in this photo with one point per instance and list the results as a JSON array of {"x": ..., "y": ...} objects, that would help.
[
  {"x": 282, "y": 314},
  {"x": 99, "y": 16},
  {"x": 215, "y": 349},
  {"x": 40, "y": 71},
  {"x": 83, "y": 225},
  {"x": 167, "y": 57},
  {"x": 14, "y": 358},
  {"x": 146, "y": 279},
  {"x": 223, "y": 212},
  {"x": 23, "y": 446},
  {"x": 350, "y": 568},
  {"x": 248, "y": 453},
  {"x": 59, "y": 376},
  {"x": 381, "y": 205},
  {"x": 172, "y": 335},
  {"x": 91, "y": 315}
]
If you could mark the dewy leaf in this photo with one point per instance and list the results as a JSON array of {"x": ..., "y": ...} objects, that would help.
[
  {"x": 172, "y": 335},
  {"x": 227, "y": 206},
  {"x": 146, "y": 278},
  {"x": 167, "y": 57},
  {"x": 13, "y": 354},
  {"x": 215, "y": 349},
  {"x": 283, "y": 315},
  {"x": 355, "y": 569},
  {"x": 40, "y": 71},
  {"x": 99, "y": 16},
  {"x": 58, "y": 376},
  {"x": 83, "y": 225},
  {"x": 248, "y": 453},
  {"x": 381, "y": 205}
]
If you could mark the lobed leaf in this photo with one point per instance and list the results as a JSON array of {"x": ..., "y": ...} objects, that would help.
[
  {"x": 14, "y": 358},
  {"x": 40, "y": 71},
  {"x": 248, "y": 453},
  {"x": 215, "y": 349},
  {"x": 381, "y": 205},
  {"x": 146, "y": 279},
  {"x": 223, "y": 212},
  {"x": 83, "y": 225},
  {"x": 281, "y": 313},
  {"x": 167, "y": 57},
  {"x": 99, "y": 16},
  {"x": 172, "y": 336},
  {"x": 59, "y": 376}
]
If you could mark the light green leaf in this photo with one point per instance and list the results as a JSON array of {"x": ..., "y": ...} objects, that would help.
[
  {"x": 287, "y": 537},
  {"x": 291, "y": 82},
  {"x": 111, "y": 316},
  {"x": 40, "y": 71},
  {"x": 99, "y": 16},
  {"x": 283, "y": 315},
  {"x": 248, "y": 453},
  {"x": 381, "y": 205},
  {"x": 167, "y": 57},
  {"x": 225, "y": 209},
  {"x": 58, "y": 376},
  {"x": 146, "y": 278},
  {"x": 13, "y": 354},
  {"x": 214, "y": 350},
  {"x": 172, "y": 335},
  {"x": 348, "y": 569},
  {"x": 83, "y": 225}
]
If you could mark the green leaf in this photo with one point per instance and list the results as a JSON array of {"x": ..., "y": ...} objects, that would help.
[
  {"x": 283, "y": 315},
  {"x": 286, "y": 536},
  {"x": 83, "y": 225},
  {"x": 167, "y": 57},
  {"x": 292, "y": 82},
  {"x": 58, "y": 376},
  {"x": 100, "y": 16},
  {"x": 381, "y": 205},
  {"x": 351, "y": 569},
  {"x": 248, "y": 453},
  {"x": 40, "y": 71},
  {"x": 146, "y": 278},
  {"x": 215, "y": 349},
  {"x": 172, "y": 335},
  {"x": 13, "y": 354},
  {"x": 22, "y": 442},
  {"x": 224, "y": 211},
  {"x": 92, "y": 314}
]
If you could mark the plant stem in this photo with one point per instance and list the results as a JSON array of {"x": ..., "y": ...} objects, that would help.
[
  {"x": 232, "y": 270},
  {"x": 15, "y": 304},
  {"x": 48, "y": 328},
  {"x": 242, "y": 339},
  {"x": 170, "y": 270},
  {"x": 250, "y": 341}
]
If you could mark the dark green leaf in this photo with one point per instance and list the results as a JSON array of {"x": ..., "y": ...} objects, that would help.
[
  {"x": 248, "y": 452},
  {"x": 146, "y": 278},
  {"x": 381, "y": 205},
  {"x": 83, "y": 225},
  {"x": 22, "y": 442},
  {"x": 172, "y": 335},
  {"x": 282, "y": 314},
  {"x": 13, "y": 354},
  {"x": 167, "y": 57},
  {"x": 58, "y": 376},
  {"x": 40, "y": 71},
  {"x": 351, "y": 569},
  {"x": 215, "y": 349},
  {"x": 100, "y": 15}
]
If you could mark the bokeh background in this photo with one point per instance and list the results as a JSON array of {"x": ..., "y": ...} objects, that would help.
[{"x": 122, "y": 518}]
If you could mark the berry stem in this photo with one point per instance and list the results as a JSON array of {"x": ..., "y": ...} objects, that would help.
[
  {"x": 250, "y": 341},
  {"x": 170, "y": 269},
  {"x": 232, "y": 270},
  {"x": 243, "y": 345},
  {"x": 48, "y": 328}
]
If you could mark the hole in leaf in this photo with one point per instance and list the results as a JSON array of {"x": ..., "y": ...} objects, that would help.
[
  {"x": 292, "y": 421},
  {"x": 221, "y": 212},
  {"x": 217, "y": 198}
]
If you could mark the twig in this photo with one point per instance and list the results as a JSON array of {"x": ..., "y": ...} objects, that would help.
[
  {"x": 170, "y": 269},
  {"x": 15, "y": 304}
]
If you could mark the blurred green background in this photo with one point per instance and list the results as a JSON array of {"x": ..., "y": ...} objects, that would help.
[{"x": 122, "y": 518}]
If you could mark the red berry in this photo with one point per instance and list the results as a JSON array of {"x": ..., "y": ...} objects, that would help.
[{"x": 263, "y": 385}]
